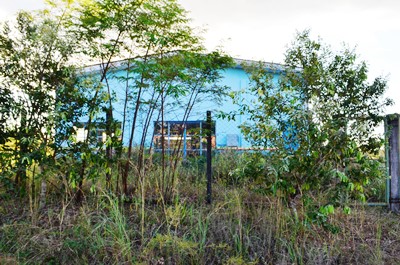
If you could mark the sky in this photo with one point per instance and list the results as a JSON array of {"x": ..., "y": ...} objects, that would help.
[{"x": 263, "y": 29}]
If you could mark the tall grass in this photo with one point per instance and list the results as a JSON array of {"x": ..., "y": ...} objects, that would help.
[{"x": 242, "y": 226}]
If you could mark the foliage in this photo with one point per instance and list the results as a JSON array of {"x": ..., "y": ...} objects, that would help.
[
  {"x": 167, "y": 68},
  {"x": 34, "y": 55},
  {"x": 5, "y": 112},
  {"x": 319, "y": 118},
  {"x": 47, "y": 99},
  {"x": 235, "y": 168}
]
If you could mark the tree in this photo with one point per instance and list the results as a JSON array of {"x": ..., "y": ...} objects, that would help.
[
  {"x": 181, "y": 80},
  {"x": 166, "y": 62},
  {"x": 319, "y": 118},
  {"x": 167, "y": 65},
  {"x": 34, "y": 55}
]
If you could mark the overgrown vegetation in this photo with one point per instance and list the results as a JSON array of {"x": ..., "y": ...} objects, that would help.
[
  {"x": 47, "y": 97},
  {"x": 320, "y": 118},
  {"x": 242, "y": 226},
  {"x": 299, "y": 200}
]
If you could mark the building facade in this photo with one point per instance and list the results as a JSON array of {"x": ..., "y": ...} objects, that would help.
[{"x": 181, "y": 125}]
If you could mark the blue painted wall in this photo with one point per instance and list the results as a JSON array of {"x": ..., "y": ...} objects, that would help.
[{"x": 236, "y": 79}]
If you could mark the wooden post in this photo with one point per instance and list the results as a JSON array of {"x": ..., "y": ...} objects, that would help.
[
  {"x": 392, "y": 124},
  {"x": 208, "y": 172}
]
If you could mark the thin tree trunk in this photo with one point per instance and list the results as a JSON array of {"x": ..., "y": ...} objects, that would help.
[
  {"x": 120, "y": 149},
  {"x": 129, "y": 155},
  {"x": 110, "y": 130},
  {"x": 89, "y": 123},
  {"x": 146, "y": 126},
  {"x": 126, "y": 100},
  {"x": 162, "y": 143},
  {"x": 42, "y": 197}
]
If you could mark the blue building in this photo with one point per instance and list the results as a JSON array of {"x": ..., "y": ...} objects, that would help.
[{"x": 179, "y": 128}]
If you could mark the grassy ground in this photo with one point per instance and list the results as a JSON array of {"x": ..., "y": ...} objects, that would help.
[{"x": 239, "y": 227}]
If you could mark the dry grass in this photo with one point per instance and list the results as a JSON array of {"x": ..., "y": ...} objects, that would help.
[{"x": 240, "y": 227}]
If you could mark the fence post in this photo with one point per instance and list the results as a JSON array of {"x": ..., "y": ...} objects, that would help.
[
  {"x": 184, "y": 142},
  {"x": 201, "y": 139},
  {"x": 392, "y": 126},
  {"x": 208, "y": 172}
]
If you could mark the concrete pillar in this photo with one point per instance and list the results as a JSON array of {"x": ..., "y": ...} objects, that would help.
[{"x": 392, "y": 128}]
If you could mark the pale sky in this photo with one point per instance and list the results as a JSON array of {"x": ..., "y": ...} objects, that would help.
[{"x": 262, "y": 29}]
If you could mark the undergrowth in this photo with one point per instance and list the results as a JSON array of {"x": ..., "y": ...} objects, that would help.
[{"x": 241, "y": 226}]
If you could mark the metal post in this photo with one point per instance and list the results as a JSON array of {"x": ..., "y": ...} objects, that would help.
[
  {"x": 184, "y": 143},
  {"x": 208, "y": 172},
  {"x": 393, "y": 158},
  {"x": 201, "y": 138},
  {"x": 169, "y": 138}
]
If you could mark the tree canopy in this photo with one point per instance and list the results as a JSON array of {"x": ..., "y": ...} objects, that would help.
[{"x": 319, "y": 120}]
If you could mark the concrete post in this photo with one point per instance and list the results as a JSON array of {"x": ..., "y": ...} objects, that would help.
[{"x": 392, "y": 127}]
